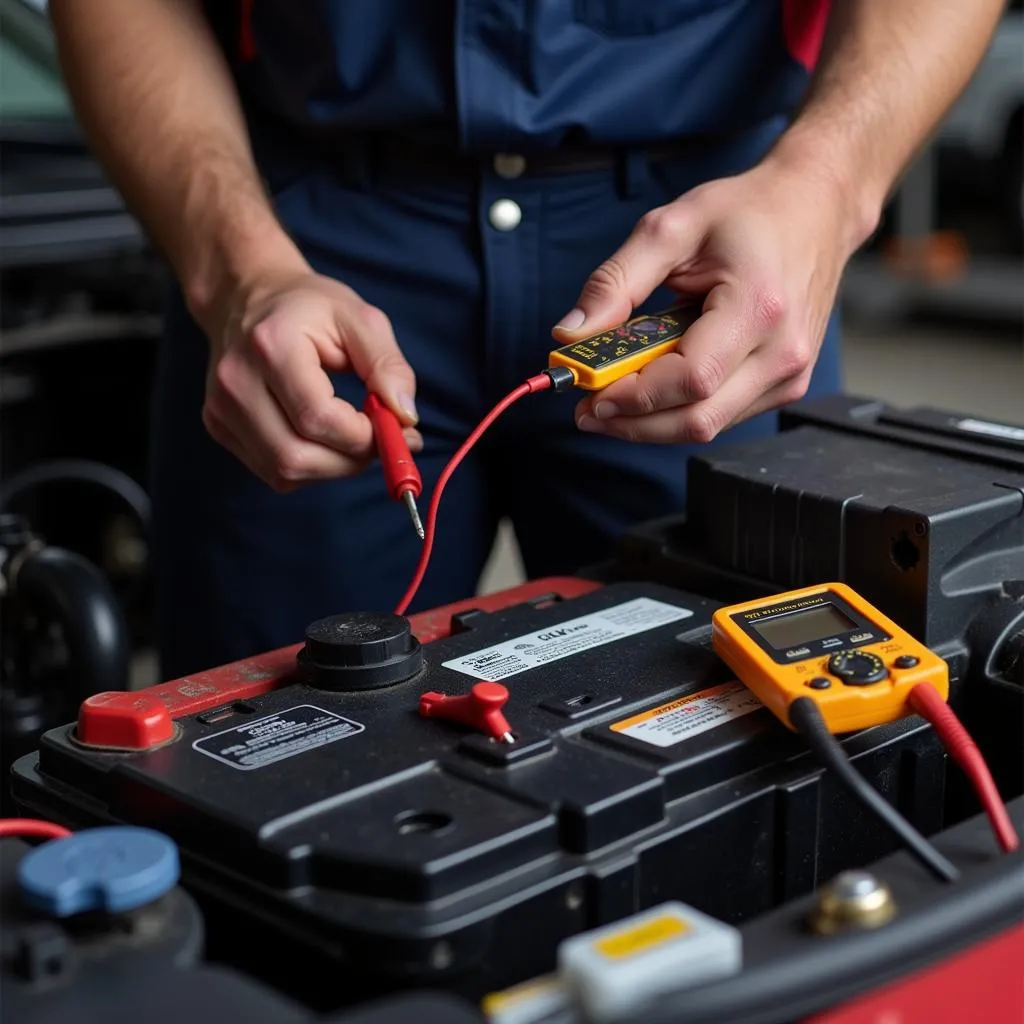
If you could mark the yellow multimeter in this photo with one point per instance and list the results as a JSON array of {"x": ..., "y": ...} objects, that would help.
[
  {"x": 599, "y": 360},
  {"x": 828, "y": 643}
]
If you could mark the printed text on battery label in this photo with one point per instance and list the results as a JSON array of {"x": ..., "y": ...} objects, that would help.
[
  {"x": 567, "y": 638},
  {"x": 291, "y": 732},
  {"x": 687, "y": 717}
]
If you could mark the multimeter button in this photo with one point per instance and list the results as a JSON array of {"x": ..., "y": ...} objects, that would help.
[
  {"x": 819, "y": 683},
  {"x": 906, "y": 661},
  {"x": 856, "y": 668}
]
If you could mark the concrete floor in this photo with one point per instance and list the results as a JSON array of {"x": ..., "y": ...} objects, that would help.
[{"x": 957, "y": 367}]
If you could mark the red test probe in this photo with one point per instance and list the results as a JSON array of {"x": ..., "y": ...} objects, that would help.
[{"x": 400, "y": 472}]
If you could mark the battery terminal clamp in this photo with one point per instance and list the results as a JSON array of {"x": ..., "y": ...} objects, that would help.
[{"x": 480, "y": 709}]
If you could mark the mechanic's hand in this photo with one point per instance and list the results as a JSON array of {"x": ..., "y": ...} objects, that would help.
[
  {"x": 766, "y": 248},
  {"x": 269, "y": 399}
]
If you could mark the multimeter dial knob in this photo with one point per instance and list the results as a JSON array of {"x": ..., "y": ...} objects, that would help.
[{"x": 857, "y": 668}]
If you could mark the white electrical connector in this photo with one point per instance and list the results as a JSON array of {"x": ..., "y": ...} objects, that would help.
[
  {"x": 542, "y": 1000},
  {"x": 612, "y": 972}
]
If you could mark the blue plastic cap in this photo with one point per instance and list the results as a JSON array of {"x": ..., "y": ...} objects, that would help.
[{"x": 115, "y": 869}]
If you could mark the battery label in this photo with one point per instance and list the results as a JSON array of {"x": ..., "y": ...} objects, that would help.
[
  {"x": 567, "y": 638},
  {"x": 687, "y": 717},
  {"x": 257, "y": 744}
]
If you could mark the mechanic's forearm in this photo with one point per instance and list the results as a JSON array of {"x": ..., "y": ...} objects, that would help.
[
  {"x": 888, "y": 73},
  {"x": 156, "y": 99}
]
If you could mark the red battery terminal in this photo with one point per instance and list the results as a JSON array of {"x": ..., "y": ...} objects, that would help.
[{"x": 480, "y": 708}]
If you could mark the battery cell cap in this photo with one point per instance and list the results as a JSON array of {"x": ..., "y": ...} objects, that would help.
[
  {"x": 114, "y": 869},
  {"x": 361, "y": 651},
  {"x": 612, "y": 972}
]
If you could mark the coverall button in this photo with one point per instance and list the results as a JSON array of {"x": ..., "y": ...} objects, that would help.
[
  {"x": 505, "y": 215},
  {"x": 509, "y": 165}
]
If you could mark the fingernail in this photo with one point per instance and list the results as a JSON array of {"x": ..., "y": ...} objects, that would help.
[
  {"x": 408, "y": 406},
  {"x": 571, "y": 321},
  {"x": 588, "y": 423},
  {"x": 606, "y": 410}
]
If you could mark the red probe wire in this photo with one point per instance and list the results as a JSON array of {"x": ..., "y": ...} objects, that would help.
[
  {"x": 541, "y": 382},
  {"x": 929, "y": 705},
  {"x": 32, "y": 827}
]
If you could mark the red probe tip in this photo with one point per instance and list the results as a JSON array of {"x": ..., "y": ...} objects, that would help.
[{"x": 414, "y": 513}]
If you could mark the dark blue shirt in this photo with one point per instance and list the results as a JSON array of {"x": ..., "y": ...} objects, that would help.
[{"x": 516, "y": 75}]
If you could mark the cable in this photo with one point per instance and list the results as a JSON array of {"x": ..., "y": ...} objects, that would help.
[
  {"x": 930, "y": 706},
  {"x": 32, "y": 827},
  {"x": 79, "y": 471},
  {"x": 542, "y": 382},
  {"x": 807, "y": 720}
]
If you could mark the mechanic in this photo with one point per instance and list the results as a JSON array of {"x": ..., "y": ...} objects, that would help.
[{"x": 416, "y": 197}]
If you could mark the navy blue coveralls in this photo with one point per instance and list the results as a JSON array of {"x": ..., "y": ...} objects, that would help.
[{"x": 472, "y": 295}]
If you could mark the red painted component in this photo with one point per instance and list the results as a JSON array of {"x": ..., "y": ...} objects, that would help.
[
  {"x": 437, "y": 623},
  {"x": 250, "y": 677},
  {"x": 125, "y": 721},
  {"x": 982, "y": 984},
  {"x": 479, "y": 709}
]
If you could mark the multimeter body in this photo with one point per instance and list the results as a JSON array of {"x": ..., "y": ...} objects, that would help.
[
  {"x": 603, "y": 358},
  {"x": 828, "y": 643}
]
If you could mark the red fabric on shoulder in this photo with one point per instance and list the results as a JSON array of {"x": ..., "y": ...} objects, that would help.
[{"x": 803, "y": 24}]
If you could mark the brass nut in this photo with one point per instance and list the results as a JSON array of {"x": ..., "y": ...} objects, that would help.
[{"x": 853, "y": 899}]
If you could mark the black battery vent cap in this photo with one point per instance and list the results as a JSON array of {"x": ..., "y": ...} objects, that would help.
[{"x": 360, "y": 651}]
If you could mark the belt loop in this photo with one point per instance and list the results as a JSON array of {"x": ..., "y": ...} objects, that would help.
[{"x": 632, "y": 166}]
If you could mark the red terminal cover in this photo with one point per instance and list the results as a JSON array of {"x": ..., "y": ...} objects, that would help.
[{"x": 479, "y": 709}]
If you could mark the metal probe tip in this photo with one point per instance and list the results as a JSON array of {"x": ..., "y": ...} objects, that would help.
[
  {"x": 414, "y": 513},
  {"x": 509, "y": 738}
]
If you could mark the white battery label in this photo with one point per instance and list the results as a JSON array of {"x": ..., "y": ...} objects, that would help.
[
  {"x": 276, "y": 737},
  {"x": 567, "y": 638},
  {"x": 687, "y": 717}
]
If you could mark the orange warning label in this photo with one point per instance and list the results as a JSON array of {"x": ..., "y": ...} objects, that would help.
[{"x": 686, "y": 717}]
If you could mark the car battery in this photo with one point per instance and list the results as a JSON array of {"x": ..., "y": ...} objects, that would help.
[{"x": 335, "y": 811}]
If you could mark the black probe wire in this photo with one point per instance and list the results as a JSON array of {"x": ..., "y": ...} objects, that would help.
[{"x": 807, "y": 720}]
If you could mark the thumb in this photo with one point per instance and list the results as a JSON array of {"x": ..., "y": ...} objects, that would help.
[
  {"x": 378, "y": 360},
  {"x": 656, "y": 246}
]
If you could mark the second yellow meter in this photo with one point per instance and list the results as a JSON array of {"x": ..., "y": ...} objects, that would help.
[{"x": 828, "y": 643}]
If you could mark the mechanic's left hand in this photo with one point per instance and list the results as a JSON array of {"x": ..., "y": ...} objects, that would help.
[{"x": 767, "y": 248}]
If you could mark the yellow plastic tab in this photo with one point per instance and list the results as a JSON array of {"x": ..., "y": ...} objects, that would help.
[{"x": 641, "y": 937}]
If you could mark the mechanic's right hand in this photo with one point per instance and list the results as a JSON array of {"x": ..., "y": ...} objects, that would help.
[{"x": 269, "y": 399}]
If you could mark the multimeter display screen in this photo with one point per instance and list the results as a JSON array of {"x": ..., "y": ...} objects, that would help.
[{"x": 798, "y": 628}]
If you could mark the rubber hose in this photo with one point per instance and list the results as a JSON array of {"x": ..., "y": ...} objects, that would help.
[
  {"x": 79, "y": 471},
  {"x": 68, "y": 589}
]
